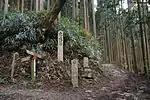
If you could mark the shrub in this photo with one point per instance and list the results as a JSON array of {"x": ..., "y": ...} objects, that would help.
[{"x": 18, "y": 27}]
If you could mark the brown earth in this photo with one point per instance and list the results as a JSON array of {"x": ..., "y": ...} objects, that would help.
[{"x": 118, "y": 84}]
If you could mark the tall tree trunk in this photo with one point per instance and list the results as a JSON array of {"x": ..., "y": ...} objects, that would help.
[
  {"x": 52, "y": 3},
  {"x": 41, "y": 4},
  {"x": 1, "y": 6},
  {"x": 37, "y": 5},
  {"x": 133, "y": 53},
  {"x": 22, "y": 6},
  {"x": 31, "y": 5},
  {"x": 48, "y": 4},
  {"x": 107, "y": 40},
  {"x": 88, "y": 20},
  {"x": 18, "y": 5},
  {"x": 85, "y": 16},
  {"x": 94, "y": 22},
  {"x": 6, "y": 7},
  {"x": 142, "y": 38},
  {"x": 53, "y": 14},
  {"x": 81, "y": 13},
  {"x": 145, "y": 11},
  {"x": 73, "y": 9}
]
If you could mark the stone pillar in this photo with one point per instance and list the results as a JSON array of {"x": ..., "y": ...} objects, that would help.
[
  {"x": 87, "y": 69},
  {"x": 60, "y": 46},
  {"x": 74, "y": 72}
]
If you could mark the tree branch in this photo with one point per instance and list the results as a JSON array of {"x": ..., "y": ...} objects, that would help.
[{"x": 52, "y": 14}]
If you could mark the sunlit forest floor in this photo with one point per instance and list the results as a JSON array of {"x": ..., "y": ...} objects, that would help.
[{"x": 118, "y": 84}]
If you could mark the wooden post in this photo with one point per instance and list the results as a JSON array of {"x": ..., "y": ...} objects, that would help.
[
  {"x": 33, "y": 68},
  {"x": 74, "y": 72},
  {"x": 13, "y": 65},
  {"x": 33, "y": 63},
  {"x": 60, "y": 46}
]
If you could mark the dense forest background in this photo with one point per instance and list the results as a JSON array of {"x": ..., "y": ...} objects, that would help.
[
  {"x": 110, "y": 32},
  {"x": 104, "y": 49}
]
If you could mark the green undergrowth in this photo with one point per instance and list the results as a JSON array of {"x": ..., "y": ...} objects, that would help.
[{"x": 18, "y": 31}]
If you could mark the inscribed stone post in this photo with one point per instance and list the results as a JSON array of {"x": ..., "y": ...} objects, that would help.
[
  {"x": 60, "y": 46},
  {"x": 85, "y": 62},
  {"x": 87, "y": 69},
  {"x": 74, "y": 72}
]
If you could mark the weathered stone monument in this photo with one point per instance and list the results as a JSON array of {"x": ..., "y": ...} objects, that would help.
[
  {"x": 60, "y": 46},
  {"x": 74, "y": 72},
  {"x": 87, "y": 69}
]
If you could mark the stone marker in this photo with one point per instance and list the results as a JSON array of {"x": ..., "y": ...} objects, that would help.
[
  {"x": 87, "y": 69},
  {"x": 86, "y": 62},
  {"x": 74, "y": 72},
  {"x": 60, "y": 46},
  {"x": 13, "y": 65}
]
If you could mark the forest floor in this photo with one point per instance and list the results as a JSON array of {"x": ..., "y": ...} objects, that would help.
[{"x": 120, "y": 85}]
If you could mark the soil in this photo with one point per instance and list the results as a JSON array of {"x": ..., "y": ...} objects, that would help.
[{"x": 118, "y": 84}]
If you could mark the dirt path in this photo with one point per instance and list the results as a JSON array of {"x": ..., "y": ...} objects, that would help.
[{"x": 120, "y": 85}]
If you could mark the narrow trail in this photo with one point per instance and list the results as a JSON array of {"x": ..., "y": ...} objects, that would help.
[{"x": 120, "y": 85}]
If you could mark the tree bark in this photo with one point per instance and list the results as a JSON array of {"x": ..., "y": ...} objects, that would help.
[
  {"x": 6, "y": 7},
  {"x": 1, "y": 6},
  {"x": 31, "y": 5},
  {"x": 94, "y": 22},
  {"x": 133, "y": 53},
  {"x": 85, "y": 15},
  {"x": 22, "y": 6},
  {"x": 73, "y": 9},
  {"x": 37, "y": 5},
  {"x": 48, "y": 4},
  {"x": 18, "y": 5},
  {"x": 53, "y": 14},
  {"x": 41, "y": 4},
  {"x": 142, "y": 38}
]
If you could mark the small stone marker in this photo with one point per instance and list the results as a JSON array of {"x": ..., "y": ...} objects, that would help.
[
  {"x": 87, "y": 69},
  {"x": 60, "y": 46},
  {"x": 13, "y": 65},
  {"x": 86, "y": 62},
  {"x": 74, "y": 72}
]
